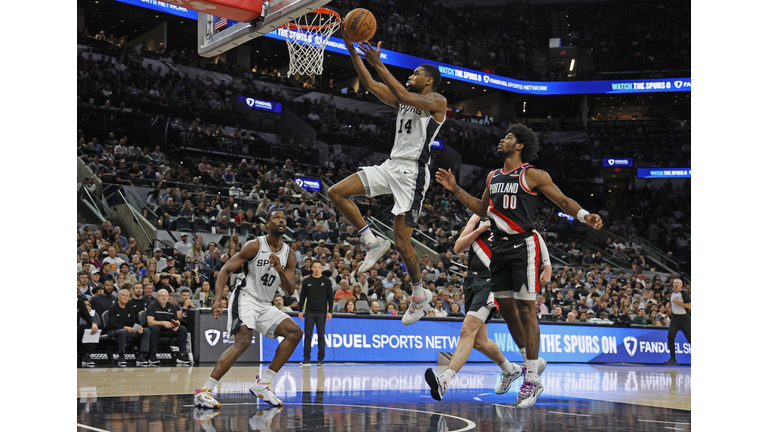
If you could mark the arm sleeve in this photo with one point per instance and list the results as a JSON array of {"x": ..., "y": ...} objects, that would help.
[
  {"x": 544, "y": 251},
  {"x": 685, "y": 297}
]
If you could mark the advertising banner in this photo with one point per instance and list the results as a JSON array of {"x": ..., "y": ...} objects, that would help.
[
  {"x": 309, "y": 184},
  {"x": 663, "y": 173},
  {"x": 617, "y": 163},
  {"x": 262, "y": 105},
  {"x": 212, "y": 339},
  {"x": 387, "y": 340}
]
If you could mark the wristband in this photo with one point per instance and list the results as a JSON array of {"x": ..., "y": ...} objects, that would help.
[{"x": 581, "y": 215}]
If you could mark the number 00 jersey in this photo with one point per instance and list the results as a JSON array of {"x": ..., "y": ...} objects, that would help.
[
  {"x": 512, "y": 204},
  {"x": 415, "y": 131},
  {"x": 261, "y": 279}
]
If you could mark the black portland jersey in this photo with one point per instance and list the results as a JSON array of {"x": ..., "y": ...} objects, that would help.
[
  {"x": 480, "y": 251},
  {"x": 512, "y": 204}
]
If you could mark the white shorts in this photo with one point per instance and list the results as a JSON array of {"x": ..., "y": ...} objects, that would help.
[
  {"x": 406, "y": 180},
  {"x": 523, "y": 294},
  {"x": 262, "y": 317}
]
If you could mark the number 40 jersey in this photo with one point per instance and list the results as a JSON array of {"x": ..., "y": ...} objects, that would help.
[{"x": 261, "y": 279}]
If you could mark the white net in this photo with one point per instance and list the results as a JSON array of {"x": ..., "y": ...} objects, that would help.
[{"x": 306, "y": 41}]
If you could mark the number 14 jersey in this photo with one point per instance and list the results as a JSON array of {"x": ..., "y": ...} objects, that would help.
[
  {"x": 513, "y": 203},
  {"x": 261, "y": 279}
]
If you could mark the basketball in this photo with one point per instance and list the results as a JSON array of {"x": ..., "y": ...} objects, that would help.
[{"x": 359, "y": 25}]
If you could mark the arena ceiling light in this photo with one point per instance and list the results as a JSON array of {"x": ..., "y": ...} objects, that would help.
[{"x": 573, "y": 62}]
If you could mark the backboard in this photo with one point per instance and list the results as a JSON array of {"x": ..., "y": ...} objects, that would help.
[{"x": 274, "y": 14}]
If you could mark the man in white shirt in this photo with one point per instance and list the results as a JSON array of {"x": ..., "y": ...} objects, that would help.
[
  {"x": 183, "y": 246},
  {"x": 112, "y": 261}
]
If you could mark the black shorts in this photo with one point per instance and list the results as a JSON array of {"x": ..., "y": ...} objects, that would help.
[
  {"x": 515, "y": 261},
  {"x": 477, "y": 289}
]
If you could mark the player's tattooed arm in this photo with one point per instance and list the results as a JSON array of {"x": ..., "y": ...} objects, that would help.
[{"x": 477, "y": 206}]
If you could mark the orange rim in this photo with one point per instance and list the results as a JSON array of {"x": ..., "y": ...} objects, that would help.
[{"x": 332, "y": 13}]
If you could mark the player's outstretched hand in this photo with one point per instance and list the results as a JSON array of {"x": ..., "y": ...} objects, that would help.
[
  {"x": 446, "y": 178},
  {"x": 216, "y": 308},
  {"x": 594, "y": 221},
  {"x": 370, "y": 53}
]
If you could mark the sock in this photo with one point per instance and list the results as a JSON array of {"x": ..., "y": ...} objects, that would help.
[
  {"x": 211, "y": 384},
  {"x": 418, "y": 289},
  {"x": 268, "y": 376},
  {"x": 368, "y": 236},
  {"x": 448, "y": 375},
  {"x": 506, "y": 367},
  {"x": 532, "y": 371},
  {"x": 522, "y": 353}
]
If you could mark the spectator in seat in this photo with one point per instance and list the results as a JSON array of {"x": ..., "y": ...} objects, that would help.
[
  {"x": 571, "y": 317},
  {"x": 163, "y": 320},
  {"x": 112, "y": 262},
  {"x": 391, "y": 309},
  {"x": 277, "y": 301},
  {"x": 126, "y": 271},
  {"x": 157, "y": 155},
  {"x": 102, "y": 298},
  {"x": 343, "y": 292},
  {"x": 640, "y": 319},
  {"x": 390, "y": 281},
  {"x": 439, "y": 310},
  {"x": 122, "y": 320},
  {"x": 350, "y": 307},
  {"x": 185, "y": 303},
  {"x": 357, "y": 291},
  {"x": 543, "y": 309},
  {"x": 221, "y": 225},
  {"x": 455, "y": 309},
  {"x": 169, "y": 211},
  {"x": 557, "y": 314},
  {"x": 205, "y": 296},
  {"x": 375, "y": 309}
]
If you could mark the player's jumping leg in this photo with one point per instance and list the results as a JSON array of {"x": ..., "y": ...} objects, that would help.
[
  {"x": 420, "y": 297},
  {"x": 339, "y": 194},
  {"x": 292, "y": 334},
  {"x": 532, "y": 387},
  {"x": 508, "y": 310},
  {"x": 203, "y": 396},
  {"x": 473, "y": 335}
]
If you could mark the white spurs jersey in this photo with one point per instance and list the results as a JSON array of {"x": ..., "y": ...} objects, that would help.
[
  {"x": 261, "y": 279},
  {"x": 415, "y": 131}
]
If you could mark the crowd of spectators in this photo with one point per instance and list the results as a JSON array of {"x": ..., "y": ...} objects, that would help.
[{"x": 622, "y": 36}]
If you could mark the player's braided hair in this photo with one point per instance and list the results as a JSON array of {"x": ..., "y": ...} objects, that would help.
[{"x": 527, "y": 137}]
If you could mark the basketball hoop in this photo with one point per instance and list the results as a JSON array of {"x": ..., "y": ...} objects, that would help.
[{"x": 306, "y": 39}]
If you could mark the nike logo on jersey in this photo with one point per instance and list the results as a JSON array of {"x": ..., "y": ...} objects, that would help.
[{"x": 518, "y": 245}]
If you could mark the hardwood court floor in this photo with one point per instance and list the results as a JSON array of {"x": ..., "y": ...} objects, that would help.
[{"x": 386, "y": 397}]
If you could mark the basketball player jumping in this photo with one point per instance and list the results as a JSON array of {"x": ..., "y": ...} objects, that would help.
[
  {"x": 267, "y": 260},
  {"x": 405, "y": 175},
  {"x": 510, "y": 199},
  {"x": 480, "y": 307}
]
